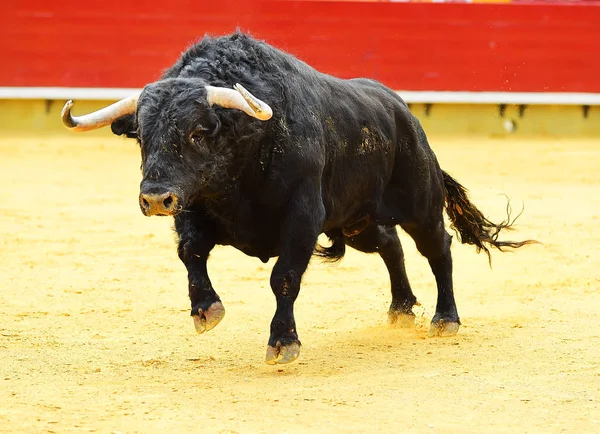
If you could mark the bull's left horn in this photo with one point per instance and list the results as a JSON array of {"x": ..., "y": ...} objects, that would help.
[
  {"x": 239, "y": 98},
  {"x": 100, "y": 118}
]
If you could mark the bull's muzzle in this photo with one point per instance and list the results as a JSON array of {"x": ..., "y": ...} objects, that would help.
[{"x": 159, "y": 204}]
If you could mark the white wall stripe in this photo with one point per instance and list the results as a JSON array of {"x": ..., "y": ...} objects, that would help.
[
  {"x": 59, "y": 93},
  {"x": 89, "y": 93},
  {"x": 567, "y": 98}
]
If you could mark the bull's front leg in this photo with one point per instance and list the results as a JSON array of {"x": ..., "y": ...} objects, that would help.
[
  {"x": 195, "y": 243},
  {"x": 299, "y": 231}
]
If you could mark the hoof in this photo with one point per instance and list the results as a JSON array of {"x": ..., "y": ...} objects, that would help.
[
  {"x": 401, "y": 319},
  {"x": 282, "y": 354},
  {"x": 208, "y": 319},
  {"x": 443, "y": 328}
]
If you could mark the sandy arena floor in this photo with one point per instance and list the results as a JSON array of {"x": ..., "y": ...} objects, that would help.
[{"x": 95, "y": 333}]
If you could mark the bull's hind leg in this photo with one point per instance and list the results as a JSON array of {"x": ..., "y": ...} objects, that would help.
[
  {"x": 195, "y": 245},
  {"x": 433, "y": 242},
  {"x": 384, "y": 240}
]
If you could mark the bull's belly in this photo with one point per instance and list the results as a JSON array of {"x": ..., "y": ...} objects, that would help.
[
  {"x": 264, "y": 254},
  {"x": 356, "y": 213},
  {"x": 261, "y": 238},
  {"x": 385, "y": 209},
  {"x": 257, "y": 242}
]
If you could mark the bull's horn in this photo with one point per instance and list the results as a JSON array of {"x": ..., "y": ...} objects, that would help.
[
  {"x": 239, "y": 98},
  {"x": 100, "y": 118}
]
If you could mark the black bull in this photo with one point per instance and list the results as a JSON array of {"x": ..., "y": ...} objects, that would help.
[{"x": 315, "y": 154}]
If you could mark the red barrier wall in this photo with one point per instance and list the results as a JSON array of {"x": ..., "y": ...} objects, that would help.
[{"x": 409, "y": 46}]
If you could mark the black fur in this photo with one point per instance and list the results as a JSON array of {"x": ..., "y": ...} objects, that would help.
[
  {"x": 343, "y": 157},
  {"x": 125, "y": 126}
]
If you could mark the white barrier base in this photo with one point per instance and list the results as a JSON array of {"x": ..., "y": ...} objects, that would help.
[{"x": 415, "y": 97}]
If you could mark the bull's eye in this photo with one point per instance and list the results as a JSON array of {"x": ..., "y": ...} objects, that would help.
[{"x": 196, "y": 138}]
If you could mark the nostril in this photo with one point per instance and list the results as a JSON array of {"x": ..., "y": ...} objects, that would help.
[{"x": 159, "y": 203}]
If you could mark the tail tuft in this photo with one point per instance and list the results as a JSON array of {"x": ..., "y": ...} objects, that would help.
[
  {"x": 336, "y": 251},
  {"x": 471, "y": 226}
]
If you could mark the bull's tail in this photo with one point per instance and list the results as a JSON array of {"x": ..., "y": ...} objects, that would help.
[
  {"x": 336, "y": 251},
  {"x": 471, "y": 226}
]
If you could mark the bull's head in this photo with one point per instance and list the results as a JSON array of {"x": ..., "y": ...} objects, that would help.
[{"x": 178, "y": 128}]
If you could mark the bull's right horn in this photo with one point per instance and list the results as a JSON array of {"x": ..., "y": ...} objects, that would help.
[
  {"x": 100, "y": 118},
  {"x": 239, "y": 98}
]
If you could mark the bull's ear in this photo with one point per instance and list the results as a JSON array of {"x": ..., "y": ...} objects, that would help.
[
  {"x": 213, "y": 124},
  {"x": 125, "y": 126}
]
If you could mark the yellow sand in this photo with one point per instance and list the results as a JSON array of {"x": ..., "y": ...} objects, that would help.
[{"x": 95, "y": 333}]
